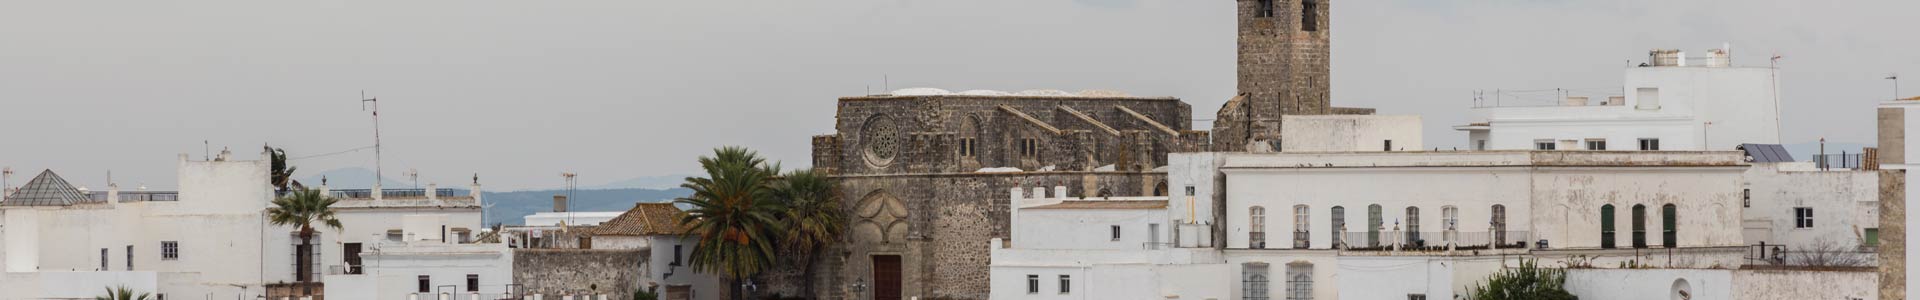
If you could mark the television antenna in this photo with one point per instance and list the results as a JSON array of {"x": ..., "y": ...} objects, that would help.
[
  {"x": 1895, "y": 77},
  {"x": 572, "y": 181},
  {"x": 6, "y": 173},
  {"x": 364, "y": 101}
]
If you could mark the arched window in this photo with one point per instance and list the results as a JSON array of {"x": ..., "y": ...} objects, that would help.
[
  {"x": 1499, "y": 224},
  {"x": 1254, "y": 281},
  {"x": 1606, "y": 226},
  {"x": 1257, "y": 231},
  {"x": 1339, "y": 225},
  {"x": 1373, "y": 225},
  {"x": 1669, "y": 216},
  {"x": 1300, "y": 281},
  {"x": 1301, "y": 227},
  {"x": 1309, "y": 16},
  {"x": 1639, "y": 226},
  {"x": 1413, "y": 226},
  {"x": 1160, "y": 189}
]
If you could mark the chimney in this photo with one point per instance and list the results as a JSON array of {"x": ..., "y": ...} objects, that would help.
[{"x": 559, "y": 203}]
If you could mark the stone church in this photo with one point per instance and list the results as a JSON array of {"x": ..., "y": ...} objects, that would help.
[{"x": 925, "y": 172}]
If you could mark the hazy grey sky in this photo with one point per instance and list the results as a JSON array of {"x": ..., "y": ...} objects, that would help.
[{"x": 520, "y": 91}]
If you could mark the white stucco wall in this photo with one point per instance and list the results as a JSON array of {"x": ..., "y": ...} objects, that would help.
[
  {"x": 1091, "y": 228},
  {"x": 1699, "y": 109},
  {"x": 1703, "y": 284},
  {"x": 660, "y": 264},
  {"x": 392, "y": 270},
  {"x": 1804, "y": 284},
  {"x": 1845, "y": 203},
  {"x": 1341, "y": 133}
]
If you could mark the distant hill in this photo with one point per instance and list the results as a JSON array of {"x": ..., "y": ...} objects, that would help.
[
  {"x": 646, "y": 182},
  {"x": 511, "y": 208}
]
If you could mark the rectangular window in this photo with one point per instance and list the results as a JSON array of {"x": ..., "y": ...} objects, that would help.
[
  {"x": 1480, "y": 145},
  {"x": 1597, "y": 144},
  {"x": 1387, "y": 146},
  {"x": 1746, "y": 198},
  {"x": 1309, "y": 15},
  {"x": 1033, "y": 284},
  {"x": 169, "y": 250},
  {"x": 1543, "y": 145},
  {"x": 966, "y": 147},
  {"x": 103, "y": 259},
  {"x": 1416, "y": 296},
  {"x": 1873, "y": 238},
  {"x": 1649, "y": 144},
  {"x": 1029, "y": 147},
  {"x": 1116, "y": 232},
  {"x": 426, "y": 284},
  {"x": 129, "y": 257},
  {"x": 1066, "y": 284},
  {"x": 1803, "y": 217},
  {"x": 1189, "y": 190},
  {"x": 1264, "y": 9},
  {"x": 676, "y": 256},
  {"x": 473, "y": 282}
]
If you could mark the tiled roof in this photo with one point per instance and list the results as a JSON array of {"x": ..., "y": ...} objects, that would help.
[
  {"x": 644, "y": 219},
  {"x": 47, "y": 189},
  {"x": 1106, "y": 204}
]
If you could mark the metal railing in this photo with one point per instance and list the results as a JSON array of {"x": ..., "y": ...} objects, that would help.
[
  {"x": 1432, "y": 240},
  {"x": 389, "y": 193},
  {"x": 1257, "y": 240},
  {"x": 1548, "y": 97},
  {"x": 135, "y": 196},
  {"x": 1302, "y": 240},
  {"x": 1844, "y": 160}
]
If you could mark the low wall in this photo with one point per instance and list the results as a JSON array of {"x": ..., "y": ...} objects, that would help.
[
  {"x": 616, "y": 273},
  {"x": 1717, "y": 284},
  {"x": 1806, "y": 284}
]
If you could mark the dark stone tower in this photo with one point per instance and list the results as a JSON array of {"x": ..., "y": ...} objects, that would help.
[{"x": 1284, "y": 67}]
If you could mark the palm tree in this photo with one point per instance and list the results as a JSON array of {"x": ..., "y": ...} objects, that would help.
[
  {"x": 734, "y": 217},
  {"x": 121, "y": 293},
  {"x": 813, "y": 217},
  {"x": 304, "y": 208},
  {"x": 282, "y": 173}
]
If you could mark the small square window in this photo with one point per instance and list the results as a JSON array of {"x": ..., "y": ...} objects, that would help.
[
  {"x": 1597, "y": 144},
  {"x": 1189, "y": 190},
  {"x": 1264, "y": 9},
  {"x": 170, "y": 250},
  {"x": 1803, "y": 217},
  {"x": 426, "y": 284},
  {"x": 1416, "y": 296},
  {"x": 1387, "y": 146},
  {"x": 1649, "y": 144},
  {"x": 473, "y": 282}
]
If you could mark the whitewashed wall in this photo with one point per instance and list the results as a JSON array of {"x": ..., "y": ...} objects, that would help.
[
  {"x": 392, "y": 272},
  {"x": 1845, "y": 203},
  {"x": 1703, "y": 284},
  {"x": 1805, "y": 284},
  {"x": 705, "y": 286},
  {"x": 1090, "y": 228},
  {"x": 1699, "y": 109},
  {"x": 1343, "y": 133},
  {"x": 1567, "y": 204}
]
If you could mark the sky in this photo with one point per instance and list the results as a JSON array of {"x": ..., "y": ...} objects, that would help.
[{"x": 521, "y": 91}]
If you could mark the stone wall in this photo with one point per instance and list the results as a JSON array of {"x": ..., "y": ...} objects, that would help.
[
  {"x": 616, "y": 273},
  {"x": 1284, "y": 68},
  {"x": 941, "y": 225},
  {"x": 930, "y": 134},
  {"x": 1893, "y": 234}
]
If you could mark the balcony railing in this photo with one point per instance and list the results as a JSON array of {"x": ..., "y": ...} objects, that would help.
[
  {"x": 1432, "y": 240},
  {"x": 389, "y": 193},
  {"x": 1257, "y": 240},
  {"x": 135, "y": 196},
  {"x": 1302, "y": 240}
]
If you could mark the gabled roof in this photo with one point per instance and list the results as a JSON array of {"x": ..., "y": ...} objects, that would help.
[
  {"x": 644, "y": 219},
  {"x": 1766, "y": 153},
  {"x": 47, "y": 189}
]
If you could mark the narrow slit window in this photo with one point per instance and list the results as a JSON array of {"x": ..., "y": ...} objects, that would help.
[{"x": 1309, "y": 15}]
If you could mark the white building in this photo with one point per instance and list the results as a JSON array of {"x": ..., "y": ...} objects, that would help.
[
  {"x": 1664, "y": 105},
  {"x": 1343, "y": 133},
  {"x": 1802, "y": 207},
  {"x": 656, "y": 228},
  {"x": 1100, "y": 248},
  {"x": 376, "y": 216},
  {"x": 210, "y": 239},
  {"x": 426, "y": 269}
]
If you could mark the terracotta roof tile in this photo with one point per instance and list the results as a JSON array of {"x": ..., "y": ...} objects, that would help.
[{"x": 644, "y": 219}]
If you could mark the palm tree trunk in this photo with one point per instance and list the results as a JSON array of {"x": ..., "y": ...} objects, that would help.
[
  {"x": 734, "y": 285},
  {"x": 306, "y": 254},
  {"x": 813, "y": 254}
]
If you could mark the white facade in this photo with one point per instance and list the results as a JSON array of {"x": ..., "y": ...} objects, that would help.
[
  {"x": 667, "y": 267},
  {"x": 394, "y": 270},
  {"x": 1844, "y": 206},
  {"x": 1349, "y": 133},
  {"x": 369, "y": 222},
  {"x": 1099, "y": 248},
  {"x": 222, "y": 244},
  {"x": 579, "y": 218},
  {"x": 1684, "y": 108}
]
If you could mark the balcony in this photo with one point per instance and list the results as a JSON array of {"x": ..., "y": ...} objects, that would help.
[{"x": 1431, "y": 240}]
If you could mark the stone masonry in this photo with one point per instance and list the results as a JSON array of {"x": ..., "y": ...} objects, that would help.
[
  {"x": 1285, "y": 60},
  {"x": 925, "y": 177},
  {"x": 615, "y": 273}
]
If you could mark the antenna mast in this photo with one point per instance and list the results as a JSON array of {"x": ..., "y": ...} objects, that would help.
[{"x": 377, "y": 174}]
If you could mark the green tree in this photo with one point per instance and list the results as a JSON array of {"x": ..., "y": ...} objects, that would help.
[
  {"x": 812, "y": 216},
  {"x": 121, "y": 293},
  {"x": 1527, "y": 282},
  {"x": 735, "y": 219},
  {"x": 281, "y": 171},
  {"x": 304, "y": 209}
]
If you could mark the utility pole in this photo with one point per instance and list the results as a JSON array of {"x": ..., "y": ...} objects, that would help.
[{"x": 378, "y": 175}]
